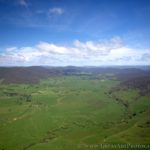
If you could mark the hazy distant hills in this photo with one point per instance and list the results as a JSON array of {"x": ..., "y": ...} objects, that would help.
[
  {"x": 35, "y": 73},
  {"x": 25, "y": 74}
]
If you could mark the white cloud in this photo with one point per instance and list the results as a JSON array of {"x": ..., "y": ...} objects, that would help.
[
  {"x": 102, "y": 48},
  {"x": 111, "y": 52},
  {"x": 10, "y": 49},
  {"x": 51, "y": 48},
  {"x": 56, "y": 11},
  {"x": 23, "y": 3}
]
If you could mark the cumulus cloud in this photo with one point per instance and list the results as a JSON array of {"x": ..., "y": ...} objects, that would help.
[
  {"x": 101, "y": 48},
  {"x": 51, "y": 48},
  {"x": 109, "y": 52},
  {"x": 56, "y": 11}
]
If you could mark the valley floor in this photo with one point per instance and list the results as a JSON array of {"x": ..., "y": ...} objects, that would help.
[{"x": 72, "y": 112}]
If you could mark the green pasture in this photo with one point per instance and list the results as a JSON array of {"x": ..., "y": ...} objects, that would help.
[{"x": 71, "y": 113}]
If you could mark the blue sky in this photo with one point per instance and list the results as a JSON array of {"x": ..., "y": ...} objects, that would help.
[{"x": 74, "y": 32}]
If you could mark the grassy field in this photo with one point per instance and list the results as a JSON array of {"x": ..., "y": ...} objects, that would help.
[{"x": 70, "y": 113}]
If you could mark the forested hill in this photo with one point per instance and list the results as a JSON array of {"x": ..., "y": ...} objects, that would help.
[
  {"x": 25, "y": 74},
  {"x": 34, "y": 74}
]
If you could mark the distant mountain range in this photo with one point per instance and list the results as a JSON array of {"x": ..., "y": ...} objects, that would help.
[{"x": 33, "y": 74}]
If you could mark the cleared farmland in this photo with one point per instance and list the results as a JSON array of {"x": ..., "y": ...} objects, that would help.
[{"x": 72, "y": 112}]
